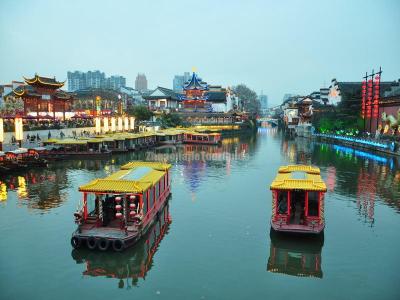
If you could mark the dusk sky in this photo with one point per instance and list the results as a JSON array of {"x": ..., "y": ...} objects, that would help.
[{"x": 275, "y": 46}]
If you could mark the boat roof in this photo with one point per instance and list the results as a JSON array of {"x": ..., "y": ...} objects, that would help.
[
  {"x": 134, "y": 177},
  {"x": 18, "y": 151},
  {"x": 298, "y": 177}
]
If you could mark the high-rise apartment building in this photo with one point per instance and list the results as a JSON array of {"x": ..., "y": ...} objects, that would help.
[{"x": 141, "y": 82}]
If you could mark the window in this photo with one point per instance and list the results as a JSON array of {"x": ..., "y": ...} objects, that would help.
[
  {"x": 313, "y": 199},
  {"x": 282, "y": 202},
  {"x": 91, "y": 204}
]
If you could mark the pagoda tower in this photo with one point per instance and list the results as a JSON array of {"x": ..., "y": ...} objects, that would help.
[{"x": 195, "y": 95}]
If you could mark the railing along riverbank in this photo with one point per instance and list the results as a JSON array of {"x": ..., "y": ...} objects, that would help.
[{"x": 388, "y": 147}]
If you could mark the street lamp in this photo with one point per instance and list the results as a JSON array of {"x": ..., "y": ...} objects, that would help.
[
  {"x": 98, "y": 125},
  {"x": 1, "y": 134},
  {"x": 132, "y": 123},
  {"x": 120, "y": 127},
  {"x": 112, "y": 124},
  {"x": 105, "y": 121},
  {"x": 126, "y": 123},
  {"x": 19, "y": 131}
]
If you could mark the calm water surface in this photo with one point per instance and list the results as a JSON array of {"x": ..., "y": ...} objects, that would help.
[{"x": 218, "y": 243}]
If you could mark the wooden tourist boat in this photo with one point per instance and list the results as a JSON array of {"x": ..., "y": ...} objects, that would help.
[
  {"x": 202, "y": 138},
  {"x": 82, "y": 147},
  {"x": 117, "y": 210},
  {"x": 130, "y": 265},
  {"x": 298, "y": 200}
]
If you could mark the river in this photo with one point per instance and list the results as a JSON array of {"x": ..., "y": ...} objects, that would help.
[{"x": 218, "y": 243}]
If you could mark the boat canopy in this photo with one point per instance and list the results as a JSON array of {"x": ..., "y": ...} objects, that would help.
[
  {"x": 134, "y": 177},
  {"x": 154, "y": 165},
  {"x": 298, "y": 177}
]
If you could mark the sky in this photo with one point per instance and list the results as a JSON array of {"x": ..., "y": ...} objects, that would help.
[{"x": 276, "y": 47}]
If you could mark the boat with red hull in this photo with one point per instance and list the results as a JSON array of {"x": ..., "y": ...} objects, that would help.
[
  {"x": 298, "y": 200},
  {"x": 117, "y": 210}
]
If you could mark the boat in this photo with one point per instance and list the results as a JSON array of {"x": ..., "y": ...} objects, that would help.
[
  {"x": 117, "y": 210},
  {"x": 202, "y": 138},
  {"x": 130, "y": 266},
  {"x": 298, "y": 200}
]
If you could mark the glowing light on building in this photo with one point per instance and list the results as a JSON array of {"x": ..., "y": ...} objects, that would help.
[
  {"x": 113, "y": 124},
  {"x": 1, "y": 131},
  {"x": 19, "y": 131},
  {"x": 132, "y": 123},
  {"x": 98, "y": 124},
  {"x": 126, "y": 123},
  {"x": 105, "y": 127},
  {"x": 120, "y": 124}
]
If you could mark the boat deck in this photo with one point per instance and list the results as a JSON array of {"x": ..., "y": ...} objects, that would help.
[{"x": 113, "y": 232}]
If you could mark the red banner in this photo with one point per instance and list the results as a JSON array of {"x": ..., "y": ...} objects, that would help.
[
  {"x": 363, "y": 95},
  {"x": 377, "y": 81},
  {"x": 369, "y": 98}
]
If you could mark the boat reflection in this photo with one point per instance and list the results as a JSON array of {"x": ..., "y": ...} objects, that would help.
[
  {"x": 130, "y": 265},
  {"x": 295, "y": 255}
]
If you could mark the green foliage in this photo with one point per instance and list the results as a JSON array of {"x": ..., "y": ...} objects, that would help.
[
  {"x": 333, "y": 123},
  {"x": 248, "y": 99},
  {"x": 141, "y": 112},
  {"x": 170, "y": 120}
]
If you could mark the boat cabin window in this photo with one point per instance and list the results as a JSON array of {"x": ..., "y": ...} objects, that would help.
[
  {"x": 211, "y": 138},
  {"x": 91, "y": 204},
  {"x": 282, "y": 202},
  {"x": 313, "y": 199}
]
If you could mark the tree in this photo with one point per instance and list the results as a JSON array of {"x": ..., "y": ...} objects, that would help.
[
  {"x": 141, "y": 112},
  {"x": 248, "y": 99},
  {"x": 170, "y": 120}
]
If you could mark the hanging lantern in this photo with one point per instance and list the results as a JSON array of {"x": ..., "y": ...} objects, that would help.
[
  {"x": 119, "y": 124},
  {"x": 1, "y": 131},
  {"x": 105, "y": 127},
  {"x": 126, "y": 124},
  {"x": 98, "y": 124},
  {"x": 19, "y": 132},
  {"x": 113, "y": 124},
  {"x": 132, "y": 123}
]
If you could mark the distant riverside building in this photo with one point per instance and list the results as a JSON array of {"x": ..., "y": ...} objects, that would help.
[
  {"x": 141, "y": 82},
  {"x": 93, "y": 79}
]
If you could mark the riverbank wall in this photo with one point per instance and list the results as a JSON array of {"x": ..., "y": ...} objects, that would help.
[{"x": 388, "y": 147}]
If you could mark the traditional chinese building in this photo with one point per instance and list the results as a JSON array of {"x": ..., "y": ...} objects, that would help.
[
  {"x": 195, "y": 95},
  {"x": 43, "y": 98}
]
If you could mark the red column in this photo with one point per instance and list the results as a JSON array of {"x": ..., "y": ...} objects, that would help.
[
  {"x": 85, "y": 212},
  {"x": 288, "y": 204}
]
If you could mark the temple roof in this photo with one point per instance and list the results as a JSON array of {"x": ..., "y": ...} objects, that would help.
[
  {"x": 39, "y": 80},
  {"x": 30, "y": 91},
  {"x": 195, "y": 83},
  {"x": 162, "y": 93}
]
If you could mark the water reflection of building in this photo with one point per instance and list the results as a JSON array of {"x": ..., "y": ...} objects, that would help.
[
  {"x": 296, "y": 256},
  {"x": 298, "y": 151},
  {"x": 130, "y": 265},
  {"x": 371, "y": 176}
]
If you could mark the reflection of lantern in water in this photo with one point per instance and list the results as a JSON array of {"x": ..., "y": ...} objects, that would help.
[
  {"x": 3, "y": 192},
  {"x": 331, "y": 180},
  {"x": 22, "y": 193},
  {"x": 366, "y": 191}
]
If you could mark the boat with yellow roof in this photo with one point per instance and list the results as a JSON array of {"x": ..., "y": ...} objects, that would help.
[
  {"x": 298, "y": 200},
  {"x": 117, "y": 210}
]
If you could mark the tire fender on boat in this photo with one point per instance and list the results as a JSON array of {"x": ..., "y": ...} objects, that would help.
[
  {"x": 118, "y": 245},
  {"x": 76, "y": 242},
  {"x": 91, "y": 242},
  {"x": 103, "y": 244}
]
